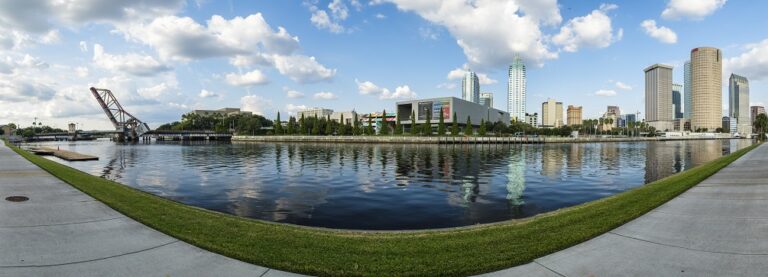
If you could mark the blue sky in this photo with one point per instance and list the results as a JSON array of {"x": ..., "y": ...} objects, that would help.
[{"x": 164, "y": 58}]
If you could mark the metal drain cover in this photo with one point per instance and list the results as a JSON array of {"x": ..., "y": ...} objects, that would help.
[{"x": 17, "y": 198}]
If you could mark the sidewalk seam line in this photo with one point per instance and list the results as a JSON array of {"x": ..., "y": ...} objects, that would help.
[
  {"x": 689, "y": 249},
  {"x": 93, "y": 260},
  {"x": 61, "y": 224},
  {"x": 544, "y": 266}
]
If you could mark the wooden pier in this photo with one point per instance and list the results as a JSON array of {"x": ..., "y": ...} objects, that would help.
[{"x": 63, "y": 154}]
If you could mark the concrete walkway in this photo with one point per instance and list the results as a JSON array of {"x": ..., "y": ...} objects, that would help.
[
  {"x": 717, "y": 228},
  {"x": 61, "y": 231}
]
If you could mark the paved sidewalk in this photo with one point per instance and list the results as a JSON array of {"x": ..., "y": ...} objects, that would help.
[
  {"x": 61, "y": 231},
  {"x": 717, "y": 228}
]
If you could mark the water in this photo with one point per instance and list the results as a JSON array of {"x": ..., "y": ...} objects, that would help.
[{"x": 387, "y": 187}]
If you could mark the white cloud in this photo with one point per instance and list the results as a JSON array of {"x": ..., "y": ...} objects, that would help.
[
  {"x": 369, "y": 88},
  {"x": 401, "y": 92},
  {"x": 255, "y": 77},
  {"x": 208, "y": 94},
  {"x": 132, "y": 63},
  {"x": 490, "y": 32},
  {"x": 592, "y": 30},
  {"x": 324, "y": 95},
  {"x": 753, "y": 63},
  {"x": 157, "y": 91},
  {"x": 293, "y": 93},
  {"x": 458, "y": 74},
  {"x": 321, "y": 20},
  {"x": 83, "y": 46},
  {"x": 24, "y": 90},
  {"x": 605, "y": 92},
  {"x": 622, "y": 86},
  {"x": 452, "y": 85},
  {"x": 81, "y": 71},
  {"x": 380, "y": 16},
  {"x": 255, "y": 104},
  {"x": 662, "y": 34},
  {"x": 338, "y": 9},
  {"x": 691, "y": 9},
  {"x": 293, "y": 109},
  {"x": 302, "y": 69}
]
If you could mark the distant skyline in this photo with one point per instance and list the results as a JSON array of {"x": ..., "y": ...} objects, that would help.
[{"x": 166, "y": 58}]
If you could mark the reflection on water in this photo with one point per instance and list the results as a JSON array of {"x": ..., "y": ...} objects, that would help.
[{"x": 360, "y": 186}]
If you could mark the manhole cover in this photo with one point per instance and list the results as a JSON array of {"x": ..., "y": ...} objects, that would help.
[{"x": 17, "y": 198}]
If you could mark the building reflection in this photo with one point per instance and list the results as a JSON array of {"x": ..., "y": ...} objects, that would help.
[{"x": 516, "y": 178}]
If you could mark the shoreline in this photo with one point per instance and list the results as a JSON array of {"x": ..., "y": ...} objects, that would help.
[
  {"x": 337, "y": 252},
  {"x": 460, "y": 139}
]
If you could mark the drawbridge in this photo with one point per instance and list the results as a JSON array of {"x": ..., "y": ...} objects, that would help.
[{"x": 127, "y": 126}]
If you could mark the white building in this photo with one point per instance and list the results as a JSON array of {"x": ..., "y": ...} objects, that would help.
[
  {"x": 486, "y": 99},
  {"x": 658, "y": 97},
  {"x": 470, "y": 87},
  {"x": 516, "y": 89},
  {"x": 312, "y": 112},
  {"x": 687, "y": 103}
]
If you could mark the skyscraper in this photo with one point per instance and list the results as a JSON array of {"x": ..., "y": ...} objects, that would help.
[
  {"x": 688, "y": 105},
  {"x": 516, "y": 89},
  {"x": 470, "y": 87},
  {"x": 677, "y": 109},
  {"x": 551, "y": 114},
  {"x": 738, "y": 100},
  {"x": 658, "y": 97},
  {"x": 486, "y": 99},
  {"x": 706, "y": 88},
  {"x": 574, "y": 115}
]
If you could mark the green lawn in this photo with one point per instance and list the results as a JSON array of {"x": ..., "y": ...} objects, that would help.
[{"x": 459, "y": 251}]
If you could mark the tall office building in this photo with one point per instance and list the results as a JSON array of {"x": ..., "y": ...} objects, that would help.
[
  {"x": 658, "y": 97},
  {"x": 754, "y": 111},
  {"x": 706, "y": 88},
  {"x": 738, "y": 100},
  {"x": 688, "y": 102},
  {"x": 516, "y": 89},
  {"x": 470, "y": 87},
  {"x": 573, "y": 115},
  {"x": 614, "y": 110},
  {"x": 486, "y": 99},
  {"x": 677, "y": 109},
  {"x": 551, "y": 114}
]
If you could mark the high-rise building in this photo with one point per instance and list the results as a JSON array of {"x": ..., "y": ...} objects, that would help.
[
  {"x": 532, "y": 119},
  {"x": 516, "y": 89},
  {"x": 574, "y": 115},
  {"x": 677, "y": 109},
  {"x": 470, "y": 87},
  {"x": 614, "y": 110},
  {"x": 738, "y": 100},
  {"x": 706, "y": 88},
  {"x": 754, "y": 111},
  {"x": 688, "y": 102},
  {"x": 630, "y": 118},
  {"x": 658, "y": 97},
  {"x": 486, "y": 99},
  {"x": 551, "y": 114},
  {"x": 726, "y": 123}
]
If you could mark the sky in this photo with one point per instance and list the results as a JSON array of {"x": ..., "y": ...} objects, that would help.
[{"x": 164, "y": 58}]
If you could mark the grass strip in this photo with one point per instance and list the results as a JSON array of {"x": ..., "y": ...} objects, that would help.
[{"x": 450, "y": 252}]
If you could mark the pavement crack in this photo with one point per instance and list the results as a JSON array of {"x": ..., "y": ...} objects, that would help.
[
  {"x": 544, "y": 266},
  {"x": 265, "y": 272},
  {"x": 688, "y": 248},
  {"x": 60, "y": 224},
  {"x": 92, "y": 260}
]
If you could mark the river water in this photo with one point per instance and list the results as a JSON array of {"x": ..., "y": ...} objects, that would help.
[{"x": 390, "y": 187}]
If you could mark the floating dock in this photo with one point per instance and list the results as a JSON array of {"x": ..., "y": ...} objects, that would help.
[{"x": 63, "y": 154}]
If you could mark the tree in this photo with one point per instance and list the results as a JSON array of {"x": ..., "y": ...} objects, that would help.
[
  {"x": 441, "y": 124},
  {"x": 355, "y": 125},
  {"x": 414, "y": 130},
  {"x": 398, "y": 125},
  {"x": 328, "y": 126},
  {"x": 454, "y": 126},
  {"x": 468, "y": 131},
  {"x": 278, "y": 125},
  {"x": 369, "y": 130},
  {"x": 481, "y": 130},
  {"x": 315, "y": 126},
  {"x": 384, "y": 130},
  {"x": 342, "y": 130},
  {"x": 761, "y": 125},
  {"x": 426, "y": 129}
]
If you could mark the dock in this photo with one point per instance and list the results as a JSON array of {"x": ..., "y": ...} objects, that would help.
[{"x": 63, "y": 154}]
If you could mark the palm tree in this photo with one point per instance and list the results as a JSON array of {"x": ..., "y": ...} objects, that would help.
[{"x": 761, "y": 124}]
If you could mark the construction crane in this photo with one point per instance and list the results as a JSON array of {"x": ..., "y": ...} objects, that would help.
[{"x": 128, "y": 127}]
